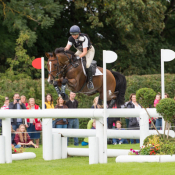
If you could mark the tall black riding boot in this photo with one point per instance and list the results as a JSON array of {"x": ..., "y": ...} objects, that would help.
[{"x": 90, "y": 83}]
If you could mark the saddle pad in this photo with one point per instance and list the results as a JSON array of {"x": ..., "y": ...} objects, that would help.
[{"x": 98, "y": 72}]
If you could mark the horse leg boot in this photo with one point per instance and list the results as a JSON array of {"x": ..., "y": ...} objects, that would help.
[
  {"x": 90, "y": 83},
  {"x": 112, "y": 102},
  {"x": 63, "y": 89},
  {"x": 57, "y": 88}
]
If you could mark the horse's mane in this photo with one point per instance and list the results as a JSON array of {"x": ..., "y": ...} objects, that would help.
[
  {"x": 61, "y": 50},
  {"x": 50, "y": 54}
]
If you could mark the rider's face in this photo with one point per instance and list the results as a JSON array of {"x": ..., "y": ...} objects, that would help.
[{"x": 75, "y": 36}]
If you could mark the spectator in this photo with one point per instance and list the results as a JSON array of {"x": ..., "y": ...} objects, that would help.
[
  {"x": 94, "y": 125},
  {"x": 61, "y": 123},
  {"x": 90, "y": 125},
  {"x": 166, "y": 95},
  {"x": 95, "y": 105},
  {"x": 119, "y": 141},
  {"x": 24, "y": 100},
  {"x": 16, "y": 104},
  {"x": 49, "y": 105},
  {"x": 157, "y": 99},
  {"x": 73, "y": 122},
  {"x": 4, "y": 107},
  {"x": 13, "y": 137},
  {"x": 133, "y": 122},
  {"x": 49, "y": 102},
  {"x": 30, "y": 122},
  {"x": 159, "y": 120},
  {"x": 22, "y": 137},
  {"x": 6, "y": 104}
]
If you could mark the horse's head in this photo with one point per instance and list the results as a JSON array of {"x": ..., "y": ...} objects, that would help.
[
  {"x": 58, "y": 62},
  {"x": 52, "y": 65}
]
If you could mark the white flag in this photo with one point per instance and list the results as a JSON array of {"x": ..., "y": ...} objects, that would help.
[
  {"x": 167, "y": 55},
  {"x": 109, "y": 56}
]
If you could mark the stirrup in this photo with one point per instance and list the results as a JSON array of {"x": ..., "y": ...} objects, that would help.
[{"x": 90, "y": 85}]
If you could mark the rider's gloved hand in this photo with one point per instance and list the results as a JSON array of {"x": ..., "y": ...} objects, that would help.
[{"x": 78, "y": 57}]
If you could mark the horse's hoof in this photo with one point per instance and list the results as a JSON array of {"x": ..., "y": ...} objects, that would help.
[{"x": 64, "y": 96}]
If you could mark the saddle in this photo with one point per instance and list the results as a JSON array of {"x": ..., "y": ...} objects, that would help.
[
  {"x": 93, "y": 65},
  {"x": 83, "y": 62}
]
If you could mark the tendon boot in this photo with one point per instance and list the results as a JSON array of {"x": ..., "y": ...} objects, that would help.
[
  {"x": 57, "y": 88},
  {"x": 90, "y": 83},
  {"x": 112, "y": 102},
  {"x": 63, "y": 89}
]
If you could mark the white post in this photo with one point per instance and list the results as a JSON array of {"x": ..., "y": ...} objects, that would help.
[
  {"x": 162, "y": 83},
  {"x": 108, "y": 57},
  {"x": 64, "y": 147},
  {"x": 47, "y": 139},
  {"x": 99, "y": 135},
  {"x": 144, "y": 126},
  {"x": 166, "y": 56},
  {"x": 46, "y": 123},
  {"x": 93, "y": 150},
  {"x": 162, "y": 74},
  {"x": 43, "y": 83},
  {"x": 2, "y": 149},
  {"x": 6, "y": 132},
  {"x": 105, "y": 112},
  {"x": 56, "y": 138}
]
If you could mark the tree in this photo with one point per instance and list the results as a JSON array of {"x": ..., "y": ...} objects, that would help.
[
  {"x": 166, "y": 108},
  {"x": 24, "y": 17}
]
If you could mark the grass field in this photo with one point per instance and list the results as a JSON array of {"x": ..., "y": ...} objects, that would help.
[{"x": 80, "y": 166}]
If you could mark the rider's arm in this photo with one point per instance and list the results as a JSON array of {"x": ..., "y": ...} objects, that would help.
[{"x": 68, "y": 46}]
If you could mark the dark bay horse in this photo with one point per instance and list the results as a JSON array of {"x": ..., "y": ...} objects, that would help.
[{"x": 61, "y": 64}]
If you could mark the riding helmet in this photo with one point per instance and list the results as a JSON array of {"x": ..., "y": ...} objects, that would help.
[{"x": 75, "y": 30}]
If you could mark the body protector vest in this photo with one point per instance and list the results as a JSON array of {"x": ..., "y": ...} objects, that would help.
[{"x": 78, "y": 43}]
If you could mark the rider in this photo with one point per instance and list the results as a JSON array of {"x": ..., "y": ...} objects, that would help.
[{"x": 82, "y": 43}]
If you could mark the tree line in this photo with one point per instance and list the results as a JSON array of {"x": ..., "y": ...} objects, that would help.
[{"x": 135, "y": 29}]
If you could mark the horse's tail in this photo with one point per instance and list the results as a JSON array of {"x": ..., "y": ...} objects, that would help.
[{"x": 120, "y": 87}]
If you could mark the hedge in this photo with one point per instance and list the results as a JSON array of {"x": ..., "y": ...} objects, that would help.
[{"x": 32, "y": 88}]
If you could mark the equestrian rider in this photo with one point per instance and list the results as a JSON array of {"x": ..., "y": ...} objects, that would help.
[{"x": 82, "y": 43}]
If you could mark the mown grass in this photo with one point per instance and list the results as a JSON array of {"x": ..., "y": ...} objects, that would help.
[{"x": 80, "y": 166}]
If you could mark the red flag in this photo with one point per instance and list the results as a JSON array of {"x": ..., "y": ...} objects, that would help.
[{"x": 36, "y": 63}]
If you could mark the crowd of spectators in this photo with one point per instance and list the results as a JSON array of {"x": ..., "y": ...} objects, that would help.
[{"x": 24, "y": 133}]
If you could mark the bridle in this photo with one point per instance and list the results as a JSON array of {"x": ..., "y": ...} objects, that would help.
[{"x": 63, "y": 69}]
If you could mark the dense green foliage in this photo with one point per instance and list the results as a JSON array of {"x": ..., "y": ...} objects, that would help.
[
  {"x": 166, "y": 108},
  {"x": 135, "y": 30},
  {"x": 145, "y": 96}
]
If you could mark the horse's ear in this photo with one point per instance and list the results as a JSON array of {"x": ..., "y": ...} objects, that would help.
[
  {"x": 54, "y": 55},
  {"x": 47, "y": 55}
]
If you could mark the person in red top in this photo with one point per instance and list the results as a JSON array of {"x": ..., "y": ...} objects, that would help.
[
  {"x": 24, "y": 100},
  {"x": 22, "y": 137},
  {"x": 30, "y": 123}
]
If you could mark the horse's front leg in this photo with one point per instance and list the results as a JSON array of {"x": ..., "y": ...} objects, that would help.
[
  {"x": 56, "y": 85},
  {"x": 63, "y": 89}
]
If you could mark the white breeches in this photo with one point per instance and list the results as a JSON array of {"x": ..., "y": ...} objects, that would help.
[{"x": 89, "y": 56}]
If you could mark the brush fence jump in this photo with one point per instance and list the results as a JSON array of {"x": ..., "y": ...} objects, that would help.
[{"x": 56, "y": 139}]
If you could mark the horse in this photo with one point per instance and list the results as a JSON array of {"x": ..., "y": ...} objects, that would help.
[{"x": 62, "y": 64}]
